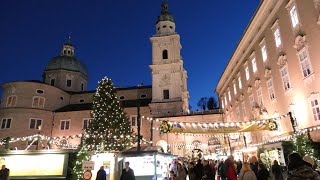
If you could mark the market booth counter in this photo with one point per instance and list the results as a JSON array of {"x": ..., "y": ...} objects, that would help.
[{"x": 147, "y": 163}]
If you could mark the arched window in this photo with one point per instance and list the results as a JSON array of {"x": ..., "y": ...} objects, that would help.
[{"x": 165, "y": 54}]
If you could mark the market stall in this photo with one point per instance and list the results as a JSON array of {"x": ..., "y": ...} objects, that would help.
[{"x": 147, "y": 163}]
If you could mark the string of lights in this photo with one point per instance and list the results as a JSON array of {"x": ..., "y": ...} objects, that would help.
[{"x": 216, "y": 124}]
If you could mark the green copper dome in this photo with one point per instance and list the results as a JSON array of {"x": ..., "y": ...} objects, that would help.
[
  {"x": 165, "y": 14},
  {"x": 69, "y": 63}
]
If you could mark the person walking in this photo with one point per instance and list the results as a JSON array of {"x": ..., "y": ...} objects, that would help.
[
  {"x": 101, "y": 174},
  {"x": 127, "y": 173},
  {"x": 181, "y": 172},
  {"x": 298, "y": 169},
  {"x": 192, "y": 172},
  {"x": 207, "y": 171},
  {"x": 246, "y": 173},
  {"x": 276, "y": 171},
  {"x": 172, "y": 176},
  {"x": 199, "y": 168},
  {"x": 263, "y": 173},
  {"x": 4, "y": 173},
  {"x": 229, "y": 171},
  {"x": 254, "y": 165}
]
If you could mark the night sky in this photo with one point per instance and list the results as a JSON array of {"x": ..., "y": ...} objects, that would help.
[{"x": 112, "y": 38}]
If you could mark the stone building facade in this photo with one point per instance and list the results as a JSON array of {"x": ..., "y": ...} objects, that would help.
[{"x": 275, "y": 69}]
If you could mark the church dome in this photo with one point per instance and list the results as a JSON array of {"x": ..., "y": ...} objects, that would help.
[
  {"x": 165, "y": 14},
  {"x": 69, "y": 63}
]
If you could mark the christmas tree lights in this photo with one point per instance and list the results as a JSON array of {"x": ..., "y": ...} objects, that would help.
[{"x": 108, "y": 131}]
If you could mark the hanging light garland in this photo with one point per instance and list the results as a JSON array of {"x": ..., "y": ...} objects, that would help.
[{"x": 219, "y": 124}]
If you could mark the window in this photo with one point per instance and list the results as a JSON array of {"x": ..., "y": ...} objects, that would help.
[
  {"x": 294, "y": 16},
  {"x": 11, "y": 101},
  {"x": 285, "y": 78},
  {"x": 165, "y": 54},
  {"x": 305, "y": 62},
  {"x": 234, "y": 89},
  {"x": 143, "y": 96},
  {"x": 69, "y": 82},
  {"x": 251, "y": 98},
  {"x": 35, "y": 123},
  {"x": 38, "y": 102},
  {"x": 6, "y": 123},
  {"x": 247, "y": 73},
  {"x": 222, "y": 104},
  {"x": 64, "y": 125},
  {"x": 315, "y": 109},
  {"x": 166, "y": 94},
  {"x": 82, "y": 86},
  {"x": 121, "y": 97},
  {"x": 270, "y": 89},
  {"x": 240, "y": 84},
  {"x": 293, "y": 114},
  {"x": 40, "y": 91},
  {"x": 81, "y": 100},
  {"x": 229, "y": 95},
  {"x": 277, "y": 37},
  {"x": 133, "y": 120},
  {"x": 259, "y": 96},
  {"x": 243, "y": 106},
  {"x": 86, "y": 122},
  {"x": 254, "y": 65},
  {"x": 225, "y": 100},
  {"x": 52, "y": 82},
  {"x": 264, "y": 53}
]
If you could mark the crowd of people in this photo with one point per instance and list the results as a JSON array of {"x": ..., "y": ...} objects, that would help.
[{"x": 298, "y": 168}]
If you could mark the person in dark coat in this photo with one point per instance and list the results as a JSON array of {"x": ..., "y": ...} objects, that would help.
[
  {"x": 4, "y": 173},
  {"x": 127, "y": 173},
  {"x": 239, "y": 166},
  {"x": 298, "y": 169},
  {"x": 192, "y": 172},
  {"x": 207, "y": 171},
  {"x": 199, "y": 168},
  {"x": 101, "y": 174},
  {"x": 276, "y": 171},
  {"x": 263, "y": 173}
]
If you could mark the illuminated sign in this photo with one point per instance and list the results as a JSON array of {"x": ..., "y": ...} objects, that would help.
[{"x": 35, "y": 164}]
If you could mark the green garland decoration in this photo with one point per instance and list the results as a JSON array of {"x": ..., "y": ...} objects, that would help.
[
  {"x": 165, "y": 127},
  {"x": 272, "y": 125}
]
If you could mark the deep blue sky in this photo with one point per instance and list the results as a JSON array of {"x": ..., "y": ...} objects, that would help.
[{"x": 112, "y": 38}]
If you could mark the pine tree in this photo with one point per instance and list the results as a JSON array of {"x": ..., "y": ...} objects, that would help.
[
  {"x": 108, "y": 131},
  {"x": 303, "y": 145}
]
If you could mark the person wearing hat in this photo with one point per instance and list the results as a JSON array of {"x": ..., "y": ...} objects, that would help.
[{"x": 299, "y": 169}]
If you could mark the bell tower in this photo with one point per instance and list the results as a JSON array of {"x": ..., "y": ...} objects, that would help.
[{"x": 169, "y": 78}]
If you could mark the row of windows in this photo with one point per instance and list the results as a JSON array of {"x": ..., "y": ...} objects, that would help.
[
  {"x": 303, "y": 57},
  {"x": 36, "y": 123},
  {"x": 37, "y": 101},
  {"x": 68, "y": 83},
  {"x": 141, "y": 96},
  {"x": 314, "y": 104},
  {"x": 286, "y": 84},
  {"x": 64, "y": 124}
]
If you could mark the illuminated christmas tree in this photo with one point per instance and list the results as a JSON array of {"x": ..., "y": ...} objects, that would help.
[
  {"x": 303, "y": 145},
  {"x": 108, "y": 131}
]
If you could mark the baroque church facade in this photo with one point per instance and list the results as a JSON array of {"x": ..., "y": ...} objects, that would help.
[{"x": 60, "y": 106}]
